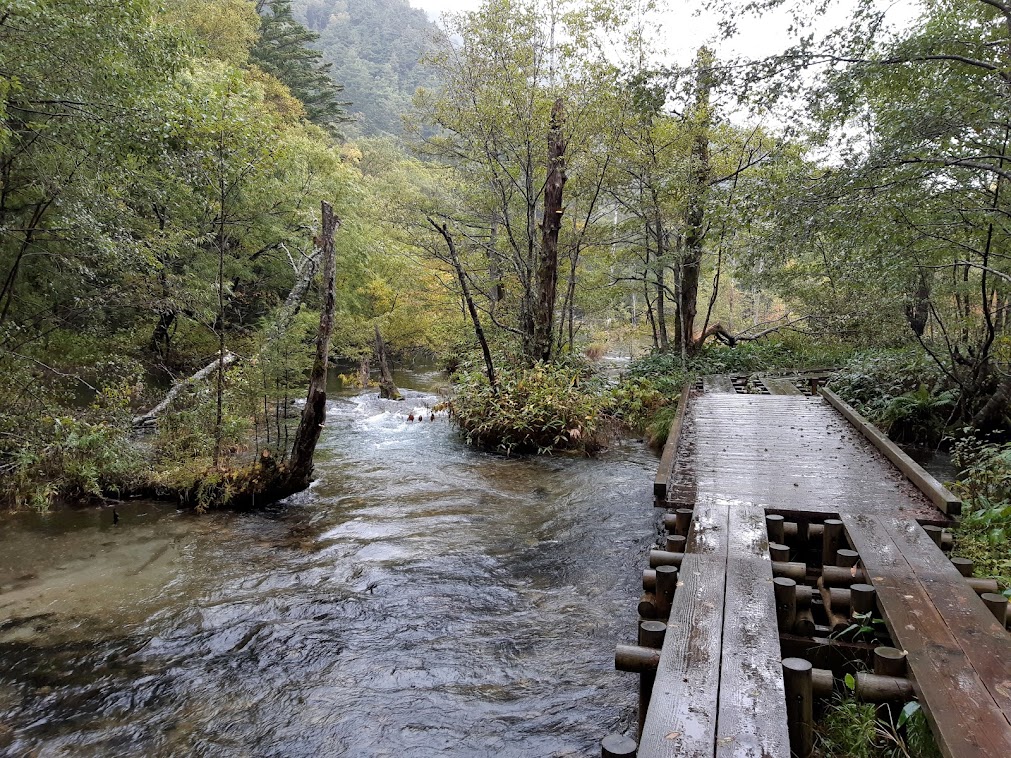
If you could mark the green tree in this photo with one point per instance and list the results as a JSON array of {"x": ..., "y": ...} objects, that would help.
[{"x": 283, "y": 51}]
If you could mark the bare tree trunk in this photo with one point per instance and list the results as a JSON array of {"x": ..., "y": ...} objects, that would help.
[
  {"x": 546, "y": 271},
  {"x": 917, "y": 309},
  {"x": 387, "y": 387},
  {"x": 363, "y": 371},
  {"x": 299, "y": 469},
  {"x": 661, "y": 287},
  {"x": 454, "y": 259}
]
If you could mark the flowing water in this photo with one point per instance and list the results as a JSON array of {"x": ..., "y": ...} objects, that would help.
[{"x": 421, "y": 599}]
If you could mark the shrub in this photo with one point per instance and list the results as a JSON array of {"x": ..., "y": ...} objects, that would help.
[
  {"x": 63, "y": 457},
  {"x": 871, "y": 381},
  {"x": 984, "y": 484},
  {"x": 542, "y": 409},
  {"x": 918, "y": 416}
]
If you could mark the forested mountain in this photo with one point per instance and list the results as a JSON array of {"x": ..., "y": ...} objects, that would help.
[{"x": 375, "y": 49}]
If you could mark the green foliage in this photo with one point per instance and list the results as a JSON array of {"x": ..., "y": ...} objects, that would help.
[
  {"x": 851, "y": 729},
  {"x": 918, "y": 416},
  {"x": 848, "y": 730},
  {"x": 541, "y": 409},
  {"x": 769, "y": 355},
  {"x": 984, "y": 484},
  {"x": 49, "y": 459},
  {"x": 873, "y": 380}
]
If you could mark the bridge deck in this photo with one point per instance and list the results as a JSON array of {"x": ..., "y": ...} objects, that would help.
[{"x": 719, "y": 689}]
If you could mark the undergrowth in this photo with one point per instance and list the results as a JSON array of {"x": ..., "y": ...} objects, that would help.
[
  {"x": 902, "y": 390},
  {"x": 853, "y": 729},
  {"x": 984, "y": 484},
  {"x": 542, "y": 409}
]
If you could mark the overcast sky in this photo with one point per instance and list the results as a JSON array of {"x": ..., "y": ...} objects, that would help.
[{"x": 681, "y": 32}]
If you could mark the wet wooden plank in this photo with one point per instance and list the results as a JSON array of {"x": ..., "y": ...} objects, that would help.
[
  {"x": 986, "y": 643},
  {"x": 668, "y": 458},
  {"x": 682, "y": 714},
  {"x": 933, "y": 489},
  {"x": 795, "y": 454},
  {"x": 752, "y": 707},
  {"x": 718, "y": 383},
  {"x": 780, "y": 386},
  {"x": 966, "y": 720}
]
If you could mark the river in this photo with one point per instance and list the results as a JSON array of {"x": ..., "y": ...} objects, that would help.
[{"x": 421, "y": 599}]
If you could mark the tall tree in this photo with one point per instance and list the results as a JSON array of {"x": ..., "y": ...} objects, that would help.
[
  {"x": 524, "y": 75},
  {"x": 283, "y": 51}
]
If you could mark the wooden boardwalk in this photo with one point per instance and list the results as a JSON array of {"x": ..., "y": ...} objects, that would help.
[{"x": 719, "y": 687}]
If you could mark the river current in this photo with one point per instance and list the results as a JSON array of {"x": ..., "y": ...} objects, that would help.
[{"x": 421, "y": 599}]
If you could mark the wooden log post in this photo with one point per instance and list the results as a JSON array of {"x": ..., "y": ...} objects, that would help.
[
  {"x": 669, "y": 522},
  {"x": 793, "y": 570},
  {"x": 618, "y": 746},
  {"x": 831, "y": 535},
  {"x": 997, "y": 605},
  {"x": 648, "y": 580},
  {"x": 664, "y": 558},
  {"x": 863, "y": 600},
  {"x": 822, "y": 682},
  {"x": 836, "y": 620},
  {"x": 786, "y": 602},
  {"x": 804, "y": 625},
  {"x": 666, "y": 584},
  {"x": 846, "y": 558},
  {"x": 981, "y": 585},
  {"x": 804, "y": 595},
  {"x": 676, "y": 543},
  {"x": 875, "y": 688},
  {"x": 636, "y": 659},
  {"x": 647, "y": 605},
  {"x": 965, "y": 566},
  {"x": 779, "y": 552},
  {"x": 774, "y": 526},
  {"x": 682, "y": 521},
  {"x": 889, "y": 661},
  {"x": 799, "y": 686},
  {"x": 651, "y": 635},
  {"x": 801, "y": 532},
  {"x": 935, "y": 533}
]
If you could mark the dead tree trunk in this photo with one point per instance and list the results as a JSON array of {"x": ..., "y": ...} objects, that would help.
[
  {"x": 150, "y": 416},
  {"x": 298, "y": 471},
  {"x": 546, "y": 272},
  {"x": 387, "y": 387},
  {"x": 454, "y": 260}
]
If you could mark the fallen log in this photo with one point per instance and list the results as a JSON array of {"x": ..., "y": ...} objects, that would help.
[{"x": 147, "y": 418}]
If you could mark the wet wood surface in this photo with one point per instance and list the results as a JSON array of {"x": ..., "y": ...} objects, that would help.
[
  {"x": 793, "y": 454},
  {"x": 937, "y": 493},
  {"x": 682, "y": 714},
  {"x": 719, "y": 689},
  {"x": 778, "y": 386},
  {"x": 966, "y": 718},
  {"x": 718, "y": 383},
  {"x": 668, "y": 459},
  {"x": 752, "y": 704}
]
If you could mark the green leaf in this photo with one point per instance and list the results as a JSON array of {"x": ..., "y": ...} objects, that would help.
[{"x": 907, "y": 711}]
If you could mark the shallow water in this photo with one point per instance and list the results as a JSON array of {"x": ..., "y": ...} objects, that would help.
[{"x": 421, "y": 599}]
